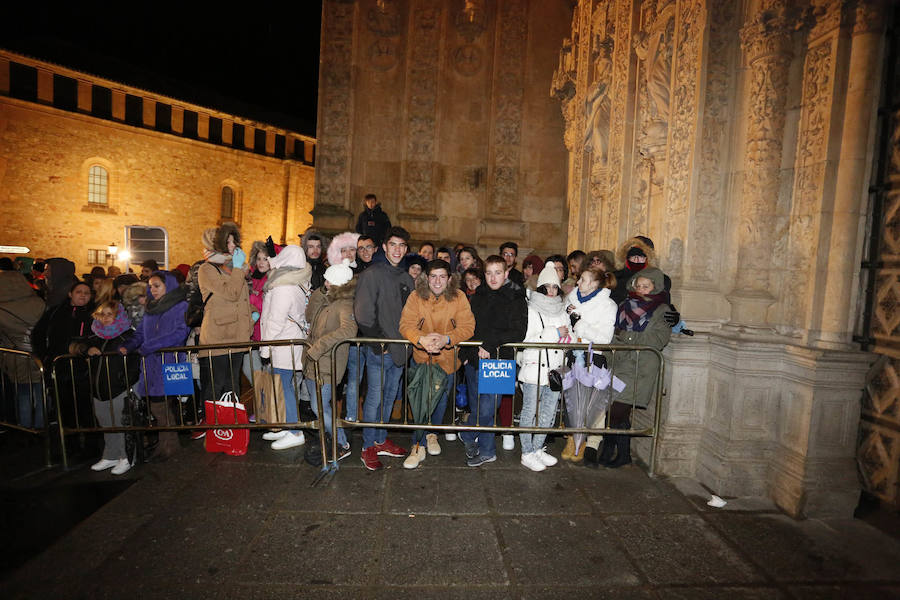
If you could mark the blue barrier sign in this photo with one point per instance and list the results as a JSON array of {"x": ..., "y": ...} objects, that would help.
[
  {"x": 178, "y": 379},
  {"x": 496, "y": 376}
]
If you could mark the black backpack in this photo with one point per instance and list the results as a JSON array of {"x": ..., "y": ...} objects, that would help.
[{"x": 193, "y": 316}]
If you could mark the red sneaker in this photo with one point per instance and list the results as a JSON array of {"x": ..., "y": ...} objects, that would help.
[
  {"x": 198, "y": 434},
  {"x": 369, "y": 458},
  {"x": 389, "y": 448}
]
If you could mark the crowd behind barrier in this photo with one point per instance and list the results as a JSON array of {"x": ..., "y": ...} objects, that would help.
[{"x": 311, "y": 342}]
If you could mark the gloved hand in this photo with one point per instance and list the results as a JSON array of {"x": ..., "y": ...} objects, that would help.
[
  {"x": 270, "y": 247},
  {"x": 254, "y": 316},
  {"x": 574, "y": 318},
  {"x": 672, "y": 317},
  {"x": 238, "y": 258},
  {"x": 599, "y": 361},
  {"x": 570, "y": 358}
]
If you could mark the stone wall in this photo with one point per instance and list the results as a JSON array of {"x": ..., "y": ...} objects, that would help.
[
  {"x": 155, "y": 179},
  {"x": 441, "y": 109},
  {"x": 738, "y": 136}
]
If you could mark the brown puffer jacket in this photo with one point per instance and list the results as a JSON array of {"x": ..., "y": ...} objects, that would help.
[
  {"x": 330, "y": 315},
  {"x": 20, "y": 310},
  {"x": 448, "y": 314}
]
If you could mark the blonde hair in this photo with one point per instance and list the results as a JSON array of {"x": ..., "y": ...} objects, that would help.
[
  {"x": 106, "y": 291},
  {"x": 112, "y": 305},
  {"x": 605, "y": 278}
]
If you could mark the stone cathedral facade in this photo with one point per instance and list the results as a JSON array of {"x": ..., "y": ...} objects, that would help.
[{"x": 737, "y": 134}]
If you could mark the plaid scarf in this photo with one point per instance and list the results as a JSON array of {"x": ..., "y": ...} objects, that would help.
[{"x": 635, "y": 312}]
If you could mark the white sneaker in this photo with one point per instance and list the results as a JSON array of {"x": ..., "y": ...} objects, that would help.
[
  {"x": 271, "y": 436},
  {"x": 104, "y": 464},
  {"x": 123, "y": 465},
  {"x": 450, "y": 437},
  {"x": 431, "y": 443},
  {"x": 547, "y": 459},
  {"x": 533, "y": 461},
  {"x": 415, "y": 458},
  {"x": 509, "y": 442},
  {"x": 289, "y": 441}
]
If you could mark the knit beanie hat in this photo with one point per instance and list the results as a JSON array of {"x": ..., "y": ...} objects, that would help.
[
  {"x": 548, "y": 275},
  {"x": 339, "y": 274}
]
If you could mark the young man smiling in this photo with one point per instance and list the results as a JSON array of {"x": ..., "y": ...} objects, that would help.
[{"x": 380, "y": 295}]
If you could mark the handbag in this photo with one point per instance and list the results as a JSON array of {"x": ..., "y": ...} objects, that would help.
[
  {"x": 268, "y": 397},
  {"x": 193, "y": 316},
  {"x": 227, "y": 411}
]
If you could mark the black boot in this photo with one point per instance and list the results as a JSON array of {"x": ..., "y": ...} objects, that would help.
[
  {"x": 608, "y": 450},
  {"x": 623, "y": 448},
  {"x": 591, "y": 457}
]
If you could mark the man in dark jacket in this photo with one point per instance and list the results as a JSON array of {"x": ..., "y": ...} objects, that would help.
[
  {"x": 380, "y": 295},
  {"x": 373, "y": 222},
  {"x": 510, "y": 252},
  {"x": 501, "y": 317}
]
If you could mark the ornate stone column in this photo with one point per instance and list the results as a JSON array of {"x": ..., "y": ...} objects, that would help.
[{"x": 766, "y": 41}]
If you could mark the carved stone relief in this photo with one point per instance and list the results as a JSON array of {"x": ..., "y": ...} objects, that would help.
[
  {"x": 509, "y": 77},
  {"x": 335, "y": 96},
  {"x": 384, "y": 18},
  {"x": 421, "y": 103}
]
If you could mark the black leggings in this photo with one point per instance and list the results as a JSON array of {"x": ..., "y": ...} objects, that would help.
[{"x": 225, "y": 375}]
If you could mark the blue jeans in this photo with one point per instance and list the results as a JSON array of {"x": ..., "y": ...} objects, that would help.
[
  {"x": 548, "y": 400},
  {"x": 375, "y": 409},
  {"x": 480, "y": 413},
  {"x": 291, "y": 414},
  {"x": 28, "y": 395},
  {"x": 326, "y": 407},
  {"x": 440, "y": 408},
  {"x": 356, "y": 364}
]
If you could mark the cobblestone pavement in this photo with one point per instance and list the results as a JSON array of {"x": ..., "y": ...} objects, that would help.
[{"x": 204, "y": 525}]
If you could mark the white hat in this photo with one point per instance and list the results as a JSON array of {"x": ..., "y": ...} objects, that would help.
[
  {"x": 548, "y": 275},
  {"x": 339, "y": 274}
]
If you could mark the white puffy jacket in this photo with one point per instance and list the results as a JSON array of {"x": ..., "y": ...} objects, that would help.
[
  {"x": 284, "y": 307},
  {"x": 598, "y": 317},
  {"x": 545, "y": 316}
]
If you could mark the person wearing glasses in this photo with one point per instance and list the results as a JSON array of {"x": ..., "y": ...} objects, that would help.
[
  {"x": 365, "y": 251},
  {"x": 510, "y": 252}
]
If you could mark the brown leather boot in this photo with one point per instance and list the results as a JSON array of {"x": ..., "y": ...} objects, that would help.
[
  {"x": 569, "y": 451},
  {"x": 579, "y": 456}
]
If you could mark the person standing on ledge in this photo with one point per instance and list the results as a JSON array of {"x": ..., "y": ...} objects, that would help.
[{"x": 373, "y": 222}]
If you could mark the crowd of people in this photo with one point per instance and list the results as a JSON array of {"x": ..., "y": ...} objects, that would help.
[{"x": 365, "y": 283}]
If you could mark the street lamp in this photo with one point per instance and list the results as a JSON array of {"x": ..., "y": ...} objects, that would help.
[{"x": 111, "y": 252}]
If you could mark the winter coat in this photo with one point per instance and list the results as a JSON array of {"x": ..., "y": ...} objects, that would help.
[
  {"x": 157, "y": 331},
  {"x": 20, "y": 310},
  {"x": 501, "y": 317},
  {"x": 62, "y": 277},
  {"x": 330, "y": 318},
  {"x": 58, "y": 328},
  {"x": 656, "y": 334},
  {"x": 256, "y": 302},
  {"x": 112, "y": 375},
  {"x": 448, "y": 314},
  {"x": 624, "y": 275},
  {"x": 545, "y": 316},
  {"x": 284, "y": 308},
  {"x": 598, "y": 317},
  {"x": 373, "y": 223},
  {"x": 226, "y": 318},
  {"x": 380, "y": 297}
]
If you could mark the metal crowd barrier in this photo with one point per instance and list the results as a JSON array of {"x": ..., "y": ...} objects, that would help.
[
  {"x": 77, "y": 382},
  {"x": 406, "y": 424},
  {"x": 23, "y": 393}
]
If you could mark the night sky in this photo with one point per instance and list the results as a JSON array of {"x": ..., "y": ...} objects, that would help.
[{"x": 260, "y": 64}]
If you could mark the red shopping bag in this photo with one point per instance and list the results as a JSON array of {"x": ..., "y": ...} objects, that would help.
[{"x": 226, "y": 411}]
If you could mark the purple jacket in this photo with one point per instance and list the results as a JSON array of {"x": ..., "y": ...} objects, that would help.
[{"x": 158, "y": 331}]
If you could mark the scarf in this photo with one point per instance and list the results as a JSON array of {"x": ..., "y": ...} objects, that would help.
[
  {"x": 158, "y": 307},
  {"x": 546, "y": 305},
  {"x": 635, "y": 312},
  {"x": 281, "y": 273},
  {"x": 584, "y": 299},
  {"x": 118, "y": 327}
]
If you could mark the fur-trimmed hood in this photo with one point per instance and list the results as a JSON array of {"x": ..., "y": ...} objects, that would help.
[
  {"x": 425, "y": 293},
  {"x": 326, "y": 241},
  {"x": 220, "y": 242},
  {"x": 341, "y": 240},
  {"x": 636, "y": 242},
  {"x": 341, "y": 292}
]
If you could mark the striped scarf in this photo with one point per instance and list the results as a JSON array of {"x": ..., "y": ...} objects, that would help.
[{"x": 636, "y": 310}]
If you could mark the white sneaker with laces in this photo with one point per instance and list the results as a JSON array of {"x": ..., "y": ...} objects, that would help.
[
  {"x": 509, "y": 441},
  {"x": 547, "y": 459},
  {"x": 123, "y": 465},
  {"x": 290, "y": 440},
  {"x": 450, "y": 437},
  {"x": 103, "y": 464},
  {"x": 432, "y": 445},
  {"x": 533, "y": 461},
  {"x": 271, "y": 436},
  {"x": 415, "y": 458}
]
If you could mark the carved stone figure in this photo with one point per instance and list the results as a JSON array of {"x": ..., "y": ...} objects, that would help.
[
  {"x": 655, "y": 49},
  {"x": 597, "y": 104}
]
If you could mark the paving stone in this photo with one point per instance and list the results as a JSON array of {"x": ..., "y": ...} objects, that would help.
[
  {"x": 856, "y": 591},
  {"x": 313, "y": 548},
  {"x": 594, "y": 593},
  {"x": 630, "y": 490},
  {"x": 564, "y": 550},
  {"x": 719, "y": 592},
  {"x": 698, "y": 495},
  {"x": 236, "y": 486},
  {"x": 446, "y": 491},
  {"x": 521, "y": 491},
  {"x": 346, "y": 492},
  {"x": 809, "y": 551},
  {"x": 681, "y": 549},
  {"x": 441, "y": 550}
]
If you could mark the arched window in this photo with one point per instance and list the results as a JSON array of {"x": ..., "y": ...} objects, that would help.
[
  {"x": 227, "y": 213},
  {"x": 98, "y": 186}
]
